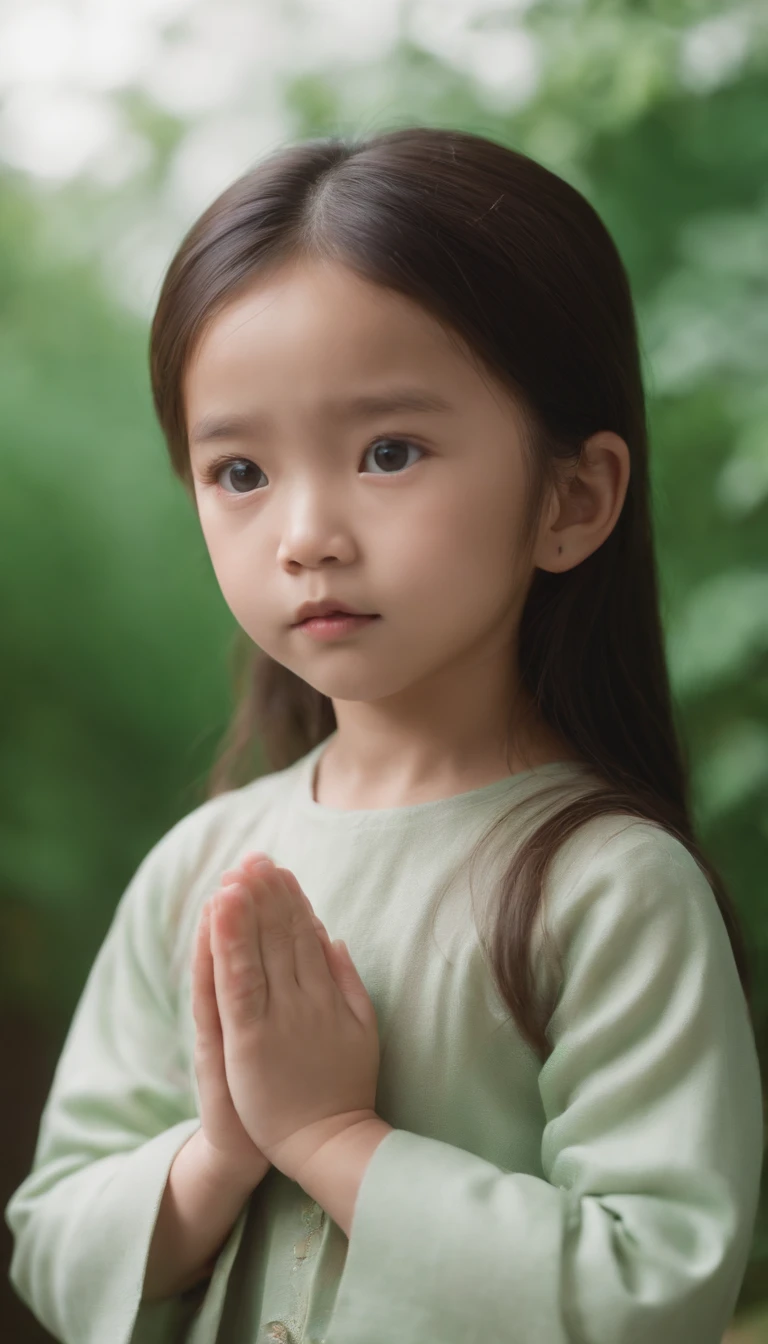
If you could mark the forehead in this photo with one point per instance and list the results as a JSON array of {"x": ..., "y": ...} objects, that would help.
[{"x": 320, "y": 316}]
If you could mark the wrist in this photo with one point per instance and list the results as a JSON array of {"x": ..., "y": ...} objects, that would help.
[
  {"x": 223, "y": 1169},
  {"x": 305, "y": 1145}
]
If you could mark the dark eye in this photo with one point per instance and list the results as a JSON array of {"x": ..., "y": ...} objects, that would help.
[
  {"x": 240, "y": 466},
  {"x": 389, "y": 457}
]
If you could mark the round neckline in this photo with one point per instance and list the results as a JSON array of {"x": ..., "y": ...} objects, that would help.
[{"x": 454, "y": 803}]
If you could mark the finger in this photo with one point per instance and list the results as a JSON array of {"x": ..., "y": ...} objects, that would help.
[
  {"x": 321, "y": 931},
  {"x": 291, "y": 880},
  {"x": 204, "y": 1007},
  {"x": 229, "y": 878},
  {"x": 239, "y": 975},
  {"x": 242, "y": 871},
  {"x": 311, "y": 962},
  {"x": 256, "y": 857},
  {"x": 209, "y": 1040},
  {"x": 274, "y": 933},
  {"x": 251, "y": 861}
]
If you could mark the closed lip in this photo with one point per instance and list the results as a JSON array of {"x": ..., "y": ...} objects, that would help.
[{"x": 325, "y": 608}]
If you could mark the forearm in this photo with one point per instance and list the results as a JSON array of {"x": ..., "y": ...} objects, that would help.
[
  {"x": 198, "y": 1210},
  {"x": 334, "y": 1174}
]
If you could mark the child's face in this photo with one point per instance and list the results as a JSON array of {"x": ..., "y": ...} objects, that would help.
[{"x": 316, "y": 506}]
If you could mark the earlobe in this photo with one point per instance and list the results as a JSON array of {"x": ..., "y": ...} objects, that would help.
[{"x": 544, "y": 555}]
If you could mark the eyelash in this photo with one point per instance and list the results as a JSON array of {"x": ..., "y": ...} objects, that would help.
[{"x": 213, "y": 470}]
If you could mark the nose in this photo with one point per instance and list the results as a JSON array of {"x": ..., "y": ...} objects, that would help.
[{"x": 313, "y": 532}]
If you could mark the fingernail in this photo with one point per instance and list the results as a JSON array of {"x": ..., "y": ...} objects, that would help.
[{"x": 253, "y": 860}]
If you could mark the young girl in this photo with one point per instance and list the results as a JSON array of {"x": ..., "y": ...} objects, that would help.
[{"x": 400, "y": 378}]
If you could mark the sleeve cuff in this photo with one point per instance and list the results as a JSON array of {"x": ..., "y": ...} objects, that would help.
[{"x": 421, "y": 1206}]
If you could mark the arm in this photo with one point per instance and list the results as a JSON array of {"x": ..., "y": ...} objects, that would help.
[
  {"x": 334, "y": 1174},
  {"x": 120, "y": 1108},
  {"x": 198, "y": 1210},
  {"x": 641, "y": 1225}
]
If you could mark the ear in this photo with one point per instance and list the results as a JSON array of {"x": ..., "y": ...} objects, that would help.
[{"x": 585, "y": 506}]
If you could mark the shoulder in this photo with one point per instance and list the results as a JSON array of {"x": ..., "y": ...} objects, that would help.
[
  {"x": 621, "y": 871},
  {"x": 213, "y": 821},
  {"x": 616, "y": 841},
  {"x": 200, "y": 843}
]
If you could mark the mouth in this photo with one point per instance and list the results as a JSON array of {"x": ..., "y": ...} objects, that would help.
[
  {"x": 339, "y": 616},
  {"x": 335, "y": 622}
]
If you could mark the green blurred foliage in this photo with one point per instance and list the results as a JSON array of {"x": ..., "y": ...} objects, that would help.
[
  {"x": 115, "y": 645},
  {"x": 115, "y": 637}
]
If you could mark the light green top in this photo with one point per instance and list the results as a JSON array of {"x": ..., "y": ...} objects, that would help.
[{"x": 607, "y": 1195}]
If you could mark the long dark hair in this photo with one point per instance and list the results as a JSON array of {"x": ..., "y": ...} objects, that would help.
[{"x": 515, "y": 261}]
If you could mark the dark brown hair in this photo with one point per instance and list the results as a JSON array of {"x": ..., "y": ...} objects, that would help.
[{"x": 515, "y": 262}]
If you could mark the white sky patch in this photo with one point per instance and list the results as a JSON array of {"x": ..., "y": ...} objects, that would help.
[
  {"x": 504, "y": 65},
  {"x": 217, "y": 151},
  {"x": 209, "y": 67},
  {"x": 342, "y": 32},
  {"x": 121, "y": 159},
  {"x": 713, "y": 51},
  {"x": 483, "y": 41},
  {"x": 230, "y": 48},
  {"x": 134, "y": 262},
  {"x": 224, "y": 59},
  {"x": 38, "y": 45},
  {"x": 58, "y": 64},
  {"x": 55, "y": 134},
  {"x": 96, "y": 44}
]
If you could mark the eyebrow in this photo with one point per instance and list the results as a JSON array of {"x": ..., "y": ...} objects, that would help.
[{"x": 213, "y": 428}]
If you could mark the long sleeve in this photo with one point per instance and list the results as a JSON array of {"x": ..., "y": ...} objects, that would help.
[
  {"x": 119, "y": 1109},
  {"x": 641, "y": 1226}
]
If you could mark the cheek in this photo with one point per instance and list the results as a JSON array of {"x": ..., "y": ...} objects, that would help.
[
  {"x": 469, "y": 539},
  {"x": 483, "y": 574},
  {"x": 218, "y": 545},
  {"x": 231, "y": 558}
]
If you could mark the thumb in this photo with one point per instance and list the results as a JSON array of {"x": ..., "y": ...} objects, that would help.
[
  {"x": 343, "y": 959},
  {"x": 337, "y": 962},
  {"x": 350, "y": 983},
  {"x": 344, "y": 971}
]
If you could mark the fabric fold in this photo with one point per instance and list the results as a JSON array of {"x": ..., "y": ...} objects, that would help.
[{"x": 641, "y": 1225}]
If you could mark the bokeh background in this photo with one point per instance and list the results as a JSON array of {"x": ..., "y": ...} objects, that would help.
[{"x": 119, "y": 123}]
